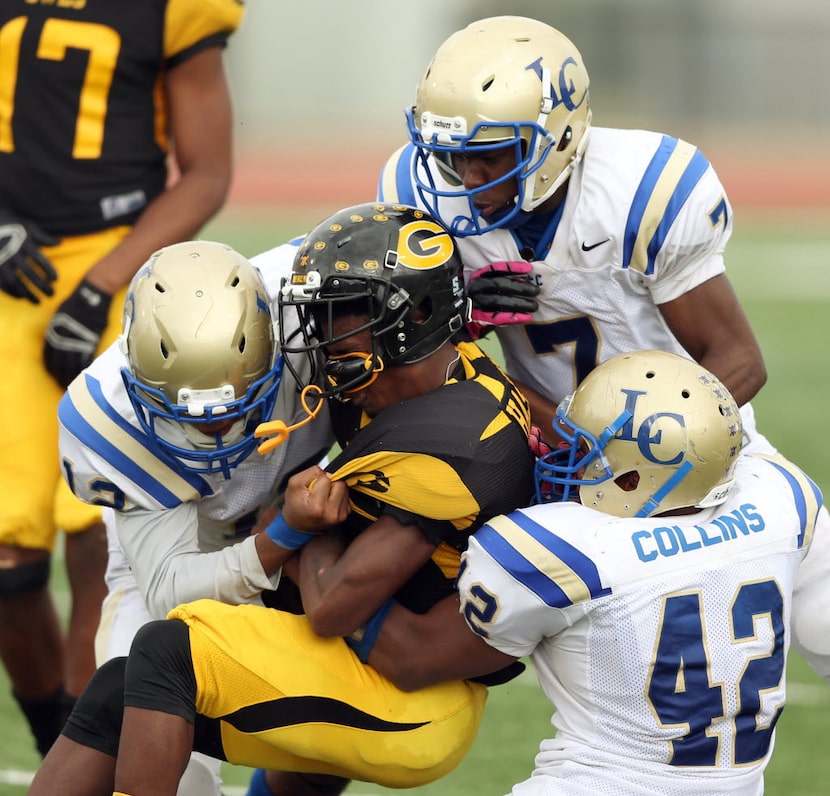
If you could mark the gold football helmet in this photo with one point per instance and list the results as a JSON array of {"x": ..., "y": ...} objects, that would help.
[
  {"x": 199, "y": 339},
  {"x": 644, "y": 433},
  {"x": 501, "y": 82}
]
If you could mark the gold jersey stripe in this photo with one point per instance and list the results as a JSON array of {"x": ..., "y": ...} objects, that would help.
[{"x": 546, "y": 561}]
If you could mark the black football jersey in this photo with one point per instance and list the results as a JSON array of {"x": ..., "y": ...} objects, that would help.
[
  {"x": 83, "y": 123},
  {"x": 446, "y": 461}
]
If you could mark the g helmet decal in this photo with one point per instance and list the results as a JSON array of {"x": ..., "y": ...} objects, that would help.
[{"x": 415, "y": 250}]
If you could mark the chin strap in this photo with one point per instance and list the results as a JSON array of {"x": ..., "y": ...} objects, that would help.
[
  {"x": 651, "y": 505},
  {"x": 278, "y": 431}
]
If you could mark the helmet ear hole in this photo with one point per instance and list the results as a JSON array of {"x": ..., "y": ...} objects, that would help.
[
  {"x": 565, "y": 139},
  {"x": 423, "y": 312},
  {"x": 629, "y": 481},
  {"x": 664, "y": 435}
]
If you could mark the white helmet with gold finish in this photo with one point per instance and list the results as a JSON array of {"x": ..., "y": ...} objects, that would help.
[
  {"x": 199, "y": 338},
  {"x": 645, "y": 432},
  {"x": 501, "y": 82}
]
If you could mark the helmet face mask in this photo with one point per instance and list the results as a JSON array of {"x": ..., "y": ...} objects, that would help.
[
  {"x": 202, "y": 370},
  {"x": 387, "y": 274},
  {"x": 501, "y": 82},
  {"x": 645, "y": 433}
]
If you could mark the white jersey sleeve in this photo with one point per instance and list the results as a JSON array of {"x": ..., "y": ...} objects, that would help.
[
  {"x": 811, "y": 601},
  {"x": 509, "y": 613},
  {"x": 170, "y": 567}
]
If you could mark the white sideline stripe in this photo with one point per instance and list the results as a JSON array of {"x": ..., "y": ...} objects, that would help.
[
  {"x": 13, "y": 776},
  {"x": 806, "y": 695}
]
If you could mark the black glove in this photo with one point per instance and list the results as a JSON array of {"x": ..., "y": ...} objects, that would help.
[
  {"x": 74, "y": 332},
  {"x": 502, "y": 294},
  {"x": 23, "y": 265}
]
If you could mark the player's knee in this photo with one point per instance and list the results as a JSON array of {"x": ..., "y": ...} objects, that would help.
[
  {"x": 96, "y": 718},
  {"x": 159, "y": 674},
  {"x": 24, "y": 577}
]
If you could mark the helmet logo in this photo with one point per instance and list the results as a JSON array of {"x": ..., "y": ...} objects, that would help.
[
  {"x": 567, "y": 88},
  {"x": 647, "y": 436},
  {"x": 420, "y": 252}
]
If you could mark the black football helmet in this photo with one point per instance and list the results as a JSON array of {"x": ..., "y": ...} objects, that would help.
[{"x": 396, "y": 266}]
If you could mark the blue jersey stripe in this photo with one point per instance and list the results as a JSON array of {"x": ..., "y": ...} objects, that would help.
[
  {"x": 691, "y": 177},
  {"x": 807, "y": 506},
  {"x": 665, "y": 198},
  {"x": 403, "y": 162},
  {"x": 557, "y": 572},
  {"x": 93, "y": 439}
]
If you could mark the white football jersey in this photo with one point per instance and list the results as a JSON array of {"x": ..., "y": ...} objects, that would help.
[
  {"x": 164, "y": 513},
  {"x": 645, "y": 220},
  {"x": 661, "y": 642}
]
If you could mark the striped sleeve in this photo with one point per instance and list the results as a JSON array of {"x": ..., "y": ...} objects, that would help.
[
  {"x": 667, "y": 183},
  {"x": 93, "y": 425},
  {"x": 535, "y": 557},
  {"x": 806, "y": 494},
  {"x": 395, "y": 185}
]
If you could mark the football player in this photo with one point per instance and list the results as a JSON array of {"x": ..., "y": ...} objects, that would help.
[
  {"x": 652, "y": 586},
  {"x": 160, "y": 430},
  {"x": 93, "y": 96},
  {"x": 579, "y": 242},
  {"x": 434, "y": 443}
]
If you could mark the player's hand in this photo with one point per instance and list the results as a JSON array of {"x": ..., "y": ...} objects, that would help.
[
  {"x": 501, "y": 293},
  {"x": 313, "y": 502},
  {"x": 74, "y": 332},
  {"x": 25, "y": 271},
  {"x": 537, "y": 444}
]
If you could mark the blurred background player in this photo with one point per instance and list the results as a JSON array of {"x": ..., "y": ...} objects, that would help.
[
  {"x": 652, "y": 587},
  {"x": 378, "y": 293},
  {"x": 91, "y": 99},
  {"x": 160, "y": 428}
]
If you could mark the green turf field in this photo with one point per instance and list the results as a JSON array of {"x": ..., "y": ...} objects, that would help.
[{"x": 781, "y": 274}]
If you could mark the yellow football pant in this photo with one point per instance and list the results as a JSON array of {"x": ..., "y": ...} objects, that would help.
[
  {"x": 292, "y": 701},
  {"x": 31, "y": 511}
]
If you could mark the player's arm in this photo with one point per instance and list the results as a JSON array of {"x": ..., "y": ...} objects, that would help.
[
  {"x": 711, "y": 325},
  {"x": 200, "y": 115},
  {"x": 162, "y": 548},
  {"x": 416, "y": 650},
  {"x": 201, "y": 131},
  {"x": 343, "y": 585},
  {"x": 810, "y": 621}
]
